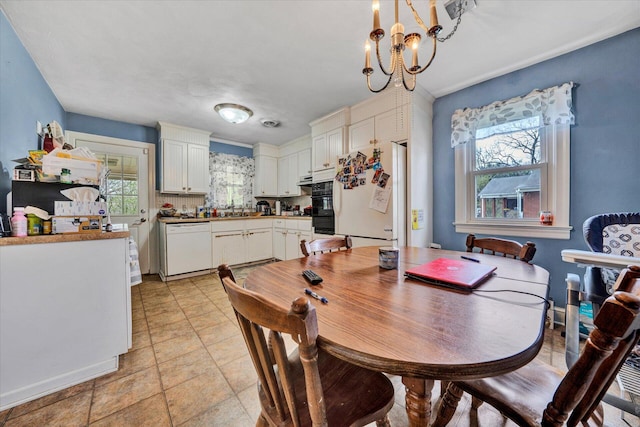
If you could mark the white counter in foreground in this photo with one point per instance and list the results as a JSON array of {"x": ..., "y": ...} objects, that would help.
[{"x": 65, "y": 312}]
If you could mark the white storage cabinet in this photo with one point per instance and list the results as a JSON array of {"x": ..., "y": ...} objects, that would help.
[
  {"x": 329, "y": 135},
  {"x": 265, "y": 183},
  {"x": 390, "y": 126},
  {"x": 61, "y": 324},
  {"x": 241, "y": 241},
  {"x": 288, "y": 176},
  {"x": 185, "y": 160},
  {"x": 288, "y": 233}
]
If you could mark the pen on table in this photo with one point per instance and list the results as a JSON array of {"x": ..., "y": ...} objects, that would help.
[
  {"x": 316, "y": 296},
  {"x": 469, "y": 258}
]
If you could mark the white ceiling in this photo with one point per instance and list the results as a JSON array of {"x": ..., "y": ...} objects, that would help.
[{"x": 294, "y": 61}]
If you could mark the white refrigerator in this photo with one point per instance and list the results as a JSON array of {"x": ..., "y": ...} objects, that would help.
[{"x": 372, "y": 213}]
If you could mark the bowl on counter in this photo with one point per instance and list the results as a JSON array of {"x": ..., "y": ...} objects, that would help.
[{"x": 167, "y": 212}]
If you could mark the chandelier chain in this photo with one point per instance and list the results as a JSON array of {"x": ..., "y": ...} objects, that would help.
[{"x": 455, "y": 27}]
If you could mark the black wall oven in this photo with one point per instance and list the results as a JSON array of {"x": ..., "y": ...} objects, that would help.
[{"x": 322, "y": 216}]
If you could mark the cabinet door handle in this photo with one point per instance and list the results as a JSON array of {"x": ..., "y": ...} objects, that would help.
[{"x": 189, "y": 188}]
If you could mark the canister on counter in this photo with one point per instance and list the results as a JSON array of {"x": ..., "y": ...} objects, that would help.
[
  {"x": 388, "y": 257},
  {"x": 46, "y": 226},
  {"x": 34, "y": 225}
]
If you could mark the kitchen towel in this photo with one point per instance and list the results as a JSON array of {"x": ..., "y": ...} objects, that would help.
[{"x": 136, "y": 276}]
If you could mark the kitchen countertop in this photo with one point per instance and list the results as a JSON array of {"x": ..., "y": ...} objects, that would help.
[
  {"x": 177, "y": 220},
  {"x": 59, "y": 238}
]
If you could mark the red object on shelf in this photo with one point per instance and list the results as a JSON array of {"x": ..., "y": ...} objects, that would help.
[{"x": 47, "y": 144}]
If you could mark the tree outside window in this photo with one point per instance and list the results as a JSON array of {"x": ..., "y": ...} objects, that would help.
[{"x": 508, "y": 158}]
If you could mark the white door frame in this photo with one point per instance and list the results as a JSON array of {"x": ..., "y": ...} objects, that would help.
[{"x": 71, "y": 136}]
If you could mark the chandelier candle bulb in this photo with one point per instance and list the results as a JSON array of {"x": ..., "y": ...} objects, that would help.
[
  {"x": 376, "y": 14},
  {"x": 367, "y": 52},
  {"x": 434, "y": 14},
  {"x": 414, "y": 62}
]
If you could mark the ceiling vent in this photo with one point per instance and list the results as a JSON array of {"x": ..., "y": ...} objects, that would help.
[{"x": 269, "y": 123}]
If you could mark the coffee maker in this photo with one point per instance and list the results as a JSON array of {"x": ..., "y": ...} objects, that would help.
[{"x": 263, "y": 207}]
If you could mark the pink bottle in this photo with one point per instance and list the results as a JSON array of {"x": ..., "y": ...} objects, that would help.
[{"x": 18, "y": 223}]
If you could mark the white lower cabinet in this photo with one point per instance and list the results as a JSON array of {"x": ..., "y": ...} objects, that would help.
[
  {"x": 288, "y": 233},
  {"x": 61, "y": 324},
  {"x": 259, "y": 244},
  {"x": 241, "y": 241},
  {"x": 280, "y": 242}
]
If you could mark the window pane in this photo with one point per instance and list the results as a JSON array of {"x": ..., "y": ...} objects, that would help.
[
  {"x": 130, "y": 205},
  {"x": 114, "y": 186},
  {"x": 130, "y": 187},
  {"x": 507, "y": 145},
  {"x": 513, "y": 195},
  {"x": 115, "y": 205}
]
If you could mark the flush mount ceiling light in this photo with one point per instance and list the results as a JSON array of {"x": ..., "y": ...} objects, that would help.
[
  {"x": 233, "y": 113},
  {"x": 398, "y": 71}
]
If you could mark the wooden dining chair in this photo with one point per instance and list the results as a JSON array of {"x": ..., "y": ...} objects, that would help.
[
  {"x": 502, "y": 247},
  {"x": 541, "y": 395},
  {"x": 320, "y": 246},
  {"x": 308, "y": 387}
]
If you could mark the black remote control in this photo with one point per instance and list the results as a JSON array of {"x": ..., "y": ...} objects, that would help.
[{"x": 312, "y": 277}]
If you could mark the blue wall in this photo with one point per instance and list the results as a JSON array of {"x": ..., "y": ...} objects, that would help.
[
  {"x": 605, "y": 142},
  {"x": 111, "y": 128},
  {"x": 25, "y": 97}
]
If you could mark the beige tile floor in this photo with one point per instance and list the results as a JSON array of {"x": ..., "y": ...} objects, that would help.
[{"x": 189, "y": 367}]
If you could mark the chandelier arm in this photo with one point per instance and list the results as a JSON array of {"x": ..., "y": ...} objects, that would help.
[
  {"x": 384, "y": 71},
  {"x": 382, "y": 88},
  {"x": 404, "y": 83},
  {"x": 421, "y": 69}
]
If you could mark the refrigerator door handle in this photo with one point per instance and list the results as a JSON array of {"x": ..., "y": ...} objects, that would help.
[{"x": 337, "y": 199}]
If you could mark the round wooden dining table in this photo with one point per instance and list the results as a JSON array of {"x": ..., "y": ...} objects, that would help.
[{"x": 378, "y": 319}]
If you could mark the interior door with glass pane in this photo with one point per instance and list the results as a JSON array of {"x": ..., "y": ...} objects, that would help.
[{"x": 127, "y": 190}]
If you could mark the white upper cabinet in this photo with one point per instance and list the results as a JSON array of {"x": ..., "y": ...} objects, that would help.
[
  {"x": 390, "y": 126},
  {"x": 288, "y": 176},
  {"x": 265, "y": 181},
  {"x": 329, "y": 136},
  {"x": 304, "y": 162},
  {"x": 197, "y": 169},
  {"x": 326, "y": 148},
  {"x": 184, "y": 159},
  {"x": 266, "y": 177},
  {"x": 361, "y": 134},
  {"x": 393, "y": 125}
]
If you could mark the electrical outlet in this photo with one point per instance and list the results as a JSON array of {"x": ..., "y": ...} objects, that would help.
[{"x": 39, "y": 128}]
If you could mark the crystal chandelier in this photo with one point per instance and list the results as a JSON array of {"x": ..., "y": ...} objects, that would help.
[{"x": 398, "y": 71}]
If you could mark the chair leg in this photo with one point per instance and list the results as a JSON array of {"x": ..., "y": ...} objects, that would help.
[
  {"x": 475, "y": 402},
  {"x": 443, "y": 387},
  {"x": 383, "y": 422},
  {"x": 262, "y": 422},
  {"x": 448, "y": 405}
]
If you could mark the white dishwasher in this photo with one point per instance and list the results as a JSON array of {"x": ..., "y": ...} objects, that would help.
[{"x": 188, "y": 248}]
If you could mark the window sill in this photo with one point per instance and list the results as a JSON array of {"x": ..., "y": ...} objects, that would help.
[{"x": 517, "y": 230}]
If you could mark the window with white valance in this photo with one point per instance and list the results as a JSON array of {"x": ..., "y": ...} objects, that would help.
[
  {"x": 552, "y": 105},
  {"x": 512, "y": 161}
]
